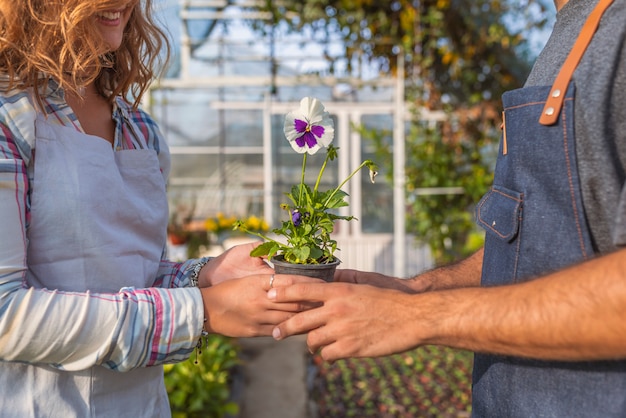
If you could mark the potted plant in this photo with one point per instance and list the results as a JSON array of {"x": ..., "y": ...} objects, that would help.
[
  {"x": 311, "y": 212},
  {"x": 178, "y": 231}
]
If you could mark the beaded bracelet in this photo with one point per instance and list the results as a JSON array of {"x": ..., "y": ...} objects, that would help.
[
  {"x": 193, "y": 280},
  {"x": 204, "y": 335},
  {"x": 195, "y": 271}
]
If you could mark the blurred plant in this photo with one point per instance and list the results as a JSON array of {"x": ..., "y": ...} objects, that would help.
[
  {"x": 438, "y": 160},
  {"x": 430, "y": 381},
  {"x": 221, "y": 224},
  {"x": 204, "y": 389},
  {"x": 459, "y": 57},
  {"x": 182, "y": 229},
  {"x": 181, "y": 215},
  {"x": 456, "y": 51}
]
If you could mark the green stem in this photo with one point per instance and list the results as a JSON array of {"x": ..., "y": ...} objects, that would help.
[
  {"x": 363, "y": 164},
  {"x": 302, "y": 179},
  {"x": 258, "y": 234},
  {"x": 319, "y": 176}
]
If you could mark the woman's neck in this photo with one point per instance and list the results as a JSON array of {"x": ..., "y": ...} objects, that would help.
[{"x": 93, "y": 112}]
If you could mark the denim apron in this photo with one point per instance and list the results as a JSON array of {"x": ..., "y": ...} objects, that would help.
[
  {"x": 98, "y": 224},
  {"x": 536, "y": 225}
]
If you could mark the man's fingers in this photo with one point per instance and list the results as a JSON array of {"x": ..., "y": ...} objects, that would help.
[
  {"x": 319, "y": 338},
  {"x": 346, "y": 275},
  {"x": 309, "y": 292},
  {"x": 275, "y": 317},
  {"x": 293, "y": 307},
  {"x": 299, "y": 323}
]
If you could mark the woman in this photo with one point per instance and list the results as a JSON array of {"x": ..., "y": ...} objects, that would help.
[{"x": 88, "y": 309}]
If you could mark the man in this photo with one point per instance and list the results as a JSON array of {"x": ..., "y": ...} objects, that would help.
[{"x": 543, "y": 304}]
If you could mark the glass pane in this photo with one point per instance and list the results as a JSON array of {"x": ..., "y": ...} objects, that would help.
[
  {"x": 377, "y": 216},
  {"x": 231, "y": 184},
  {"x": 197, "y": 166},
  {"x": 187, "y": 119}
]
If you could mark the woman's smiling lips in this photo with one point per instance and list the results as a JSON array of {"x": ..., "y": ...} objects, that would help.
[
  {"x": 110, "y": 17},
  {"x": 112, "y": 23}
]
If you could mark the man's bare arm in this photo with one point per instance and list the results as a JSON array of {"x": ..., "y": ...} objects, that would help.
[
  {"x": 575, "y": 314},
  {"x": 464, "y": 273}
]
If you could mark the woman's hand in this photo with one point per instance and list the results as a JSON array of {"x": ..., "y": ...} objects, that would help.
[
  {"x": 233, "y": 263},
  {"x": 240, "y": 307}
]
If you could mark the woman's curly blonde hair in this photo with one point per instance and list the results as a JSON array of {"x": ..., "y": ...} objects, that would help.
[{"x": 43, "y": 39}]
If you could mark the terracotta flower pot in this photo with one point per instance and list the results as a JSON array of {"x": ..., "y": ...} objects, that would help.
[
  {"x": 325, "y": 272},
  {"x": 177, "y": 239}
]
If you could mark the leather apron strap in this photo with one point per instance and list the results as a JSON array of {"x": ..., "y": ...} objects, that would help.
[{"x": 554, "y": 103}]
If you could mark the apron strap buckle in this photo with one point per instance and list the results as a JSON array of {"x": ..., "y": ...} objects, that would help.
[{"x": 554, "y": 103}]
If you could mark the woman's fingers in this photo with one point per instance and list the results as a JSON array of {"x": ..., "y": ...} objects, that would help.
[{"x": 282, "y": 280}]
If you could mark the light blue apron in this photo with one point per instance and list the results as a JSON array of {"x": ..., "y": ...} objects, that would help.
[{"x": 98, "y": 224}]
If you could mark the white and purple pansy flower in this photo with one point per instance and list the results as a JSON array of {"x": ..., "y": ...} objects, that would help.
[{"x": 310, "y": 127}]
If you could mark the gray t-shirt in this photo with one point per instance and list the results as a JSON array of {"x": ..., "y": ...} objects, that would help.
[{"x": 599, "y": 112}]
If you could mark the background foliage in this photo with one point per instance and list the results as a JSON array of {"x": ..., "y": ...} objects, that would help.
[
  {"x": 426, "y": 382},
  {"x": 201, "y": 386},
  {"x": 460, "y": 56}
]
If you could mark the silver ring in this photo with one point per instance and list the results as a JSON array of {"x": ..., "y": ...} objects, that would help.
[{"x": 271, "y": 281}]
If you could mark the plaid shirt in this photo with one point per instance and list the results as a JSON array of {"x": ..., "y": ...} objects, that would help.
[{"x": 121, "y": 331}]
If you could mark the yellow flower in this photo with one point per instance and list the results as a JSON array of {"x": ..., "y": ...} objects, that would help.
[
  {"x": 253, "y": 223},
  {"x": 210, "y": 225},
  {"x": 225, "y": 222},
  {"x": 222, "y": 223}
]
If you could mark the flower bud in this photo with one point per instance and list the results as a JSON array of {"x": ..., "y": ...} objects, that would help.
[{"x": 296, "y": 218}]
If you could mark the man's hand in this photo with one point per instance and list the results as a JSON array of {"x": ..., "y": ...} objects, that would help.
[{"x": 352, "y": 320}]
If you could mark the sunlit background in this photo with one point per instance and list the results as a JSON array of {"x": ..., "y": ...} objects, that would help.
[{"x": 221, "y": 107}]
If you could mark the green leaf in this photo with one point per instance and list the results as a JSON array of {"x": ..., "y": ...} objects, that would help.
[
  {"x": 316, "y": 253},
  {"x": 331, "y": 152},
  {"x": 301, "y": 253},
  {"x": 263, "y": 249},
  {"x": 327, "y": 225}
]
